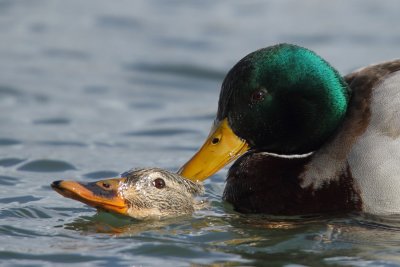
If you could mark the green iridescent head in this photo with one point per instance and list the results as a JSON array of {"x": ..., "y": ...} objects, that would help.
[{"x": 283, "y": 99}]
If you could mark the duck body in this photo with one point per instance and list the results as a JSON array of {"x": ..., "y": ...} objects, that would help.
[
  {"x": 317, "y": 142},
  {"x": 358, "y": 169},
  {"x": 374, "y": 154}
]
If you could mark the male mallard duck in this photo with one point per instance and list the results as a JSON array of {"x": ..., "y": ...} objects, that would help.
[
  {"x": 315, "y": 141},
  {"x": 141, "y": 194}
]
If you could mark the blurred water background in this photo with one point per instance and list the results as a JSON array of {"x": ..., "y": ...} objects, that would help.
[{"x": 89, "y": 89}]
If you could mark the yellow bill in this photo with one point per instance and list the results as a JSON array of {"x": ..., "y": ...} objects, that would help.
[{"x": 221, "y": 147}]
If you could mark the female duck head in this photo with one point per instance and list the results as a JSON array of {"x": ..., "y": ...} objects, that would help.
[
  {"x": 283, "y": 99},
  {"x": 141, "y": 194},
  {"x": 159, "y": 193}
]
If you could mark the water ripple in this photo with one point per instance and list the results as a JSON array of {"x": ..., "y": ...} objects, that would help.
[
  {"x": 57, "y": 258},
  {"x": 9, "y": 142},
  {"x": 16, "y": 231},
  {"x": 6, "y": 90},
  {"x": 101, "y": 174},
  {"x": 8, "y": 162},
  {"x": 62, "y": 143},
  {"x": 52, "y": 121},
  {"x": 146, "y": 105},
  {"x": 29, "y": 213},
  {"x": 96, "y": 89},
  {"x": 46, "y": 165},
  {"x": 178, "y": 69},
  {"x": 8, "y": 180},
  {"x": 118, "y": 22},
  {"x": 185, "y": 43},
  {"x": 66, "y": 53},
  {"x": 161, "y": 132},
  {"x": 19, "y": 199},
  {"x": 206, "y": 117}
]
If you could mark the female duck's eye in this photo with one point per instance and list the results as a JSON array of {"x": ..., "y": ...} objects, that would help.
[
  {"x": 159, "y": 183},
  {"x": 105, "y": 185},
  {"x": 258, "y": 95}
]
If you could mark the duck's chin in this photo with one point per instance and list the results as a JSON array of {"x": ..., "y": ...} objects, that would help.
[{"x": 155, "y": 214}]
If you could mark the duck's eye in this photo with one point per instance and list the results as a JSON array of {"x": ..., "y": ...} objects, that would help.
[
  {"x": 105, "y": 185},
  {"x": 258, "y": 95},
  {"x": 159, "y": 183}
]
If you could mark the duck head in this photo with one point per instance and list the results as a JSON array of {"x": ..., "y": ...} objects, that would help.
[
  {"x": 282, "y": 99},
  {"x": 141, "y": 194}
]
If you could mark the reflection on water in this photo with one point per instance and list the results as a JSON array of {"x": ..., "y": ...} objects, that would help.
[
  {"x": 89, "y": 89},
  {"x": 261, "y": 238}
]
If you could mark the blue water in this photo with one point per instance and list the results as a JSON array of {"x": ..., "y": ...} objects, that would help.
[{"x": 89, "y": 89}]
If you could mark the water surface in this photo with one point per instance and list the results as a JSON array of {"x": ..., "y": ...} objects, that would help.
[{"x": 89, "y": 89}]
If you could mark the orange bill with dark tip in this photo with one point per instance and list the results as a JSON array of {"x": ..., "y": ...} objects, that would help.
[
  {"x": 221, "y": 147},
  {"x": 104, "y": 194}
]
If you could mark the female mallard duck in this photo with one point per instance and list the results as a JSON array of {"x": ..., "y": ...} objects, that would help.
[
  {"x": 315, "y": 141},
  {"x": 141, "y": 194}
]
